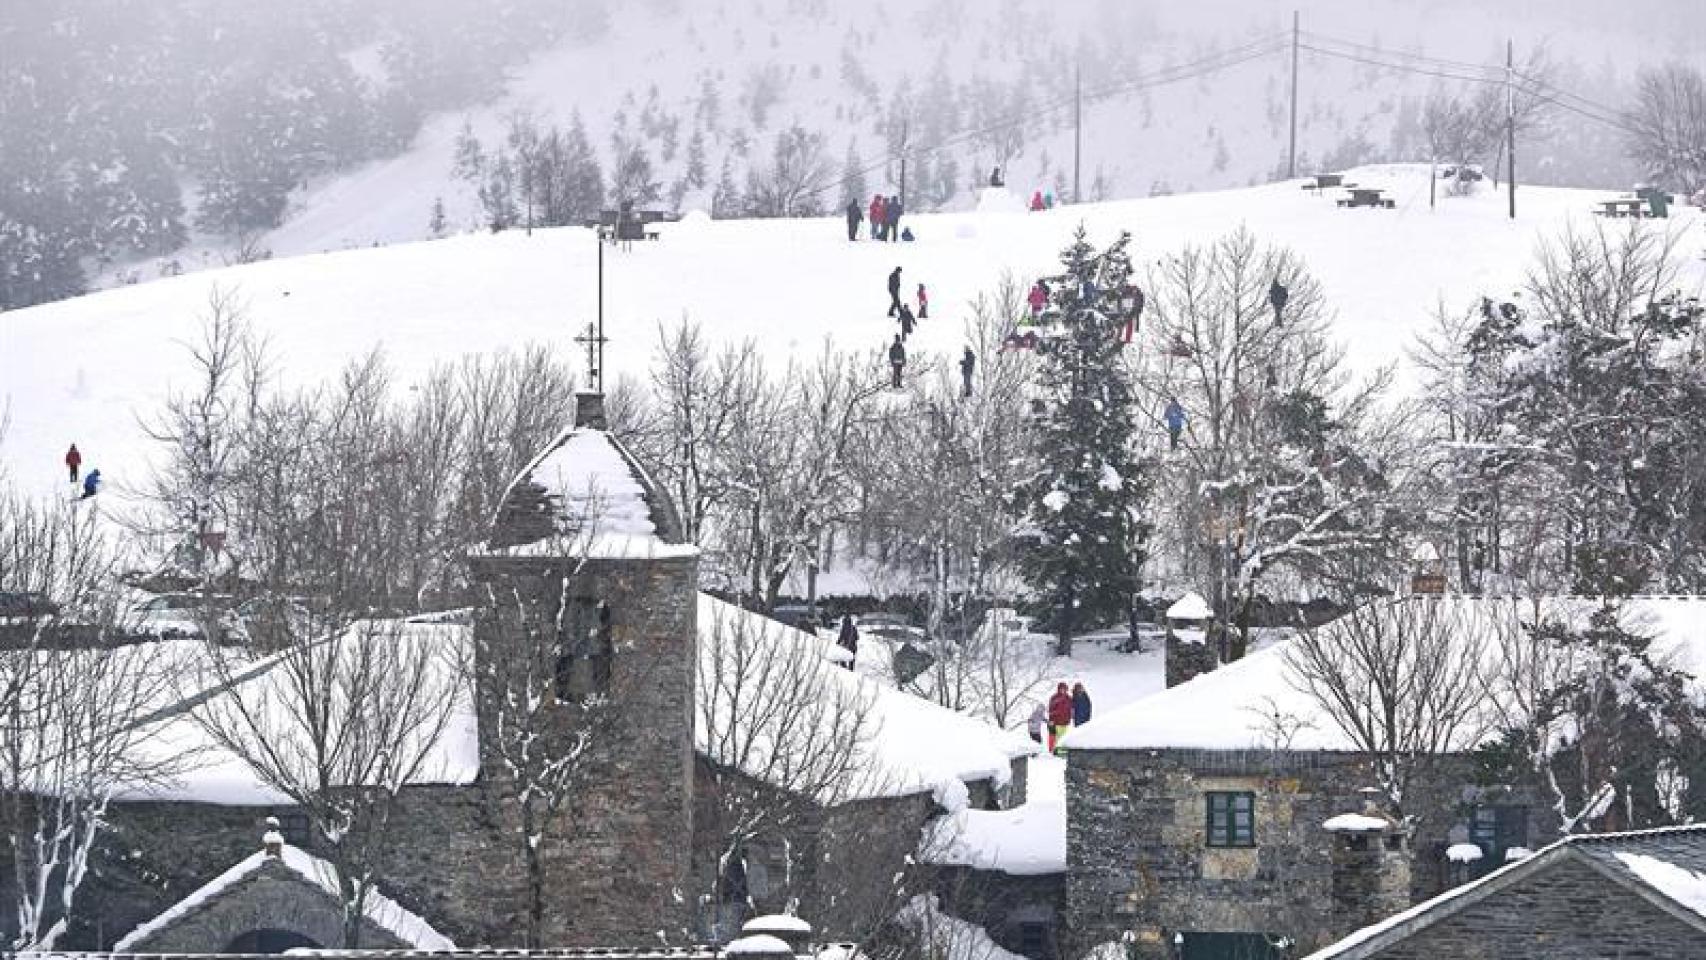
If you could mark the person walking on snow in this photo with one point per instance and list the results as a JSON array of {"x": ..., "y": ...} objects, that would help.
[
  {"x": 995, "y": 178},
  {"x": 892, "y": 211},
  {"x": 91, "y": 484},
  {"x": 854, "y": 217},
  {"x": 1037, "y": 201},
  {"x": 1038, "y": 298},
  {"x": 968, "y": 363},
  {"x": 897, "y": 360},
  {"x": 1278, "y": 295},
  {"x": 1175, "y": 419},
  {"x": 1059, "y": 716},
  {"x": 923, "y": 303},
  {"x": 906, "y": 322},
  {"x": 73, "y": 462},
  {"x": 1039, "y": 720},
  {"x": 877, "y": 217},
  {"x": 894, "y": 293},
  {"x": 1080, "y": 705},
  {"x": 849, "y": 639}
]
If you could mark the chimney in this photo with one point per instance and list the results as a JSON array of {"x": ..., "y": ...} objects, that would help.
[
  {"x": 1371, "y": 866},
  {"x": 272, "y": 841},
  {"x": 1189, "y": 653},
  {"x": 589, "y": 411}
]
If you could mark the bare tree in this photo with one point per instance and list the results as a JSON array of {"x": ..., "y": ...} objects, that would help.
[
  {"x": 1402, "y": 680},
  {"x": 1669, "y": 125},
  {"x": 1281, "y": 455},
  {"x": 72, "y": 698},
  {"x": 785, "y": 733},
  {"x": 701, "y": 397}
]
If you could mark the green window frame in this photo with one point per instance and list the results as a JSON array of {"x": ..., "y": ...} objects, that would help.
[{"x": 1231, "y": 820}]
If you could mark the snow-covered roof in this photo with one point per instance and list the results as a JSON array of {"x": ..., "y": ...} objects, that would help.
[
  {"x": 1027, "y": 840},
  {"x": 777, "y": 923},
  {"x": 1191, "y": 606},
  {"x": 914, "y": 745},
  {"x": 382, "y": 910},
  {"x": 1241, "y": 705},
  {"x": 211, "y": 773},
  {"x": 1669, "y": 862},
  {"x": 758, "y": 943},
  {"x": 597, "y": 500}
]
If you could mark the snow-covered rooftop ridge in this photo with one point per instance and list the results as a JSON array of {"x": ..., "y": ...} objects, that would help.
[
  {"x": 1668, "y": 860},
  {"x": 1027, "y": 840},
  {"x": 1257, "y": 703},
  {"x": 908, "y": 746},
  {"x": 382, "y": 910},
  {"x": 1191, "y": 606}
]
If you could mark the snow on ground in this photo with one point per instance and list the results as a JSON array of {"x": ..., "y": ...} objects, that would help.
[
  {"x": 949, "y": 937},
  {"x": 90, "y": 369},
  {"x": 1027, "y": 840},
  {"x": 382, "y": 910}
]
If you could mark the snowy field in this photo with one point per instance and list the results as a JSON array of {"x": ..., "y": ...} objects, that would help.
[{"x": 89, "y": 370}]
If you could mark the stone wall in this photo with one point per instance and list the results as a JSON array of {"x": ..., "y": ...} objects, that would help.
[
  {"x": 1186, "y": 660},
  {"x": 1002, "y": 904},
  {"x": 1566, "y": 911},
  {"x": 1138, "y": 859}
]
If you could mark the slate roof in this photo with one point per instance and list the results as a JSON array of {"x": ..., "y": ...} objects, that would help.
[{"x": 1665, "y": 867}]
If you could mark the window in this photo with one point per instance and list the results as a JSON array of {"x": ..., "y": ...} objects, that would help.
[
  {"x": 585, "y": 657},
  {"x": 293, "y": 825},
  {"x": 1497, "y": 829},
  {"x": 1231, "y": 819}
]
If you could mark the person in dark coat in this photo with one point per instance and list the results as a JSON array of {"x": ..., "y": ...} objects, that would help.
[
  {"x": 995, "y": 178},
  {"x": 1175, "y": 419},
  {"x": 1278, "y": 295},
  {"x": 849, "y": 638},
  {"x": 854, "y": 217},
  {"x": 73, "y": 462},
  {"x": 897, "y": 360},
  {"x": 1080, "y": 705},
  {"x": 878, "y": 217},
  {"x": 891, "y": 212},
  {"x": 906, "y": 322},
  {"x": 894, "y": 293},
  {"x": 91, "y": 484},
  {"x": 1059, "y": 716},
  {"x": 968, "y": 363}
]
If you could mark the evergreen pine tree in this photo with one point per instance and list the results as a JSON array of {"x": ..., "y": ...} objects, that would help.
[
  {"x": 1085, "y": 504},
  {"x": 697, "y": 174}
]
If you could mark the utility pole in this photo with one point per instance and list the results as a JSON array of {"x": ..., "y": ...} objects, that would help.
[
  {"x": 905, "y": 135},
  {"x": 1291, "y": 154},
  {"x": 1077, "y": 131},
  {"x": 1510, "y": 123}
]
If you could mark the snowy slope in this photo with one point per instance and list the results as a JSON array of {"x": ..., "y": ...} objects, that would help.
[{"x": 86, "y": 370}]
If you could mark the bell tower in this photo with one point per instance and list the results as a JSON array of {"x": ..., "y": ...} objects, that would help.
[{"x": 585, "y": 638}]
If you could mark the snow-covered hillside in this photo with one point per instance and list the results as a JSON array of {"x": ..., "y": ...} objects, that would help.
[
  {"x": 87, "y": 370},
  {"x": 663, "y": 71}
]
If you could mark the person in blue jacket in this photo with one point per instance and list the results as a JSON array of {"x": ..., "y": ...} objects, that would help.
[
  {"x": 91, "y": 484},
  {"x": 1080, "y": 705},
  {"x": 1175, "y": 419}
]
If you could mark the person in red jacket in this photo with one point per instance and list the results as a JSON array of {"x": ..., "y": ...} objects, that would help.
[
  {"x": 73, "y": 462},
  {"x": 879, "y": 218},
  {"x": 1059, "y": 716},
  {"x": 1038, "y": 298},
  {"x": 1037, "y": 200},
  {"x": 923, "y": 303}
]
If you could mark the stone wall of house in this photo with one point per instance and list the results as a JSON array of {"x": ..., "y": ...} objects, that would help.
[
  {"x": 1566, "y": 911},
  {"x": 1138, "y": 859},
  {"x": 272, "y": 898},
  {"x": 1003, "y": 904}
]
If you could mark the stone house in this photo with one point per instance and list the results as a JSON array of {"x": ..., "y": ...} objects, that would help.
[
  {"x": 586, "y": 568},
  {"x": 1639, "y": 894},
  {"x": 1225, "y": 818}
]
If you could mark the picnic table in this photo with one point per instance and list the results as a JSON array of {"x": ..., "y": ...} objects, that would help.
[
  {"x": 1622, "y": 207},
  {"x": 1325, "y": 181},
  {"x": 1366, "y": 197}
]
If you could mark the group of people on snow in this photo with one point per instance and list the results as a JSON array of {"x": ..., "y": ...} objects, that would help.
[
  {"x": 1065, "y": 710},
  {"x": 74, "y": 467},
  {"x": 885, "y": 213}
]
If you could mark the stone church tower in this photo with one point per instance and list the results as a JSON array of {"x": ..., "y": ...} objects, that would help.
[{"x": 589, "y": 601}]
